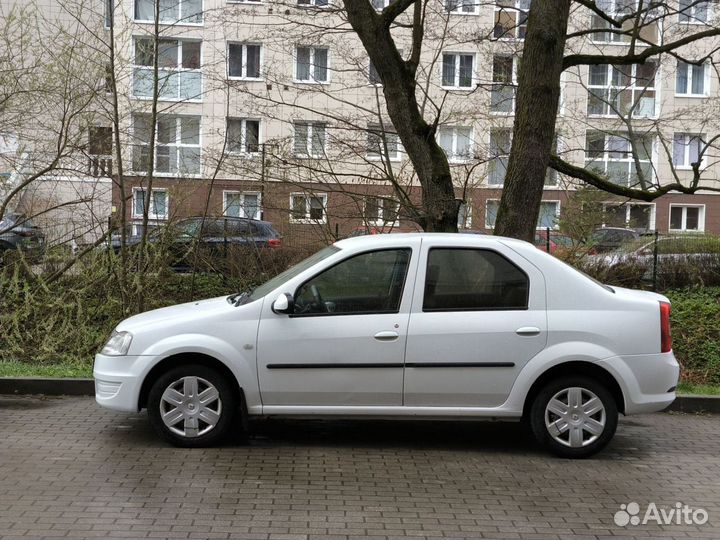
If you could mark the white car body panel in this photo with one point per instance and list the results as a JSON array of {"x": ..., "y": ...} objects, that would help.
[{"x": 577, "y": 321}]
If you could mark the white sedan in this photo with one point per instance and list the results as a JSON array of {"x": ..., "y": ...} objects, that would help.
[{"x": 402, "y": 325}]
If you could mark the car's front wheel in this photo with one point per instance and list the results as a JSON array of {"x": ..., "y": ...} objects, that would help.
[
  {"x": 574, "y": 417},
  {"x": 192, "y": 406}
]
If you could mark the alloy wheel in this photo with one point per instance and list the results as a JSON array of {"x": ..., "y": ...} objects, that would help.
[
  {"x": 190, "y": 406},
  {"x": 575, "y": 417}
]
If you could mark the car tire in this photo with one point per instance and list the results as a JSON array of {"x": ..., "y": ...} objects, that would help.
[
  {"x": 574, "y": 417},
  {"x": 192, "y": 406}
]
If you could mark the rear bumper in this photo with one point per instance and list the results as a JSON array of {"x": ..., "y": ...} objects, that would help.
[{"x": 647, "y": 381}]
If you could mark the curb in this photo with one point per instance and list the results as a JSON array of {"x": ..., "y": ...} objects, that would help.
[
  {"x": 86, "y": 387},
  {"x": 57, "y": 386}
]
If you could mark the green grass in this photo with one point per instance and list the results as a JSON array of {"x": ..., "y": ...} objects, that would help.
[
  {"x": 699, "y": 389},
  {"x": 22, "y": 369}
]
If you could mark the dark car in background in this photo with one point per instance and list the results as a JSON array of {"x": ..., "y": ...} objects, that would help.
[
  {"x": 18, "y": 232},
  {"x": 611, "y": 238}
]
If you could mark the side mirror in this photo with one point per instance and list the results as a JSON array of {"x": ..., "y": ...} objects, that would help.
[{"x": 284, "y": 303}]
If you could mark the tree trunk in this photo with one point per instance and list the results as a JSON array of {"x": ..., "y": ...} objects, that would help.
[{"x": 538, "y": 96}]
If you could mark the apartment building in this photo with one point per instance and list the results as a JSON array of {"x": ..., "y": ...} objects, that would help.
[{"x": 271, "y": 109}]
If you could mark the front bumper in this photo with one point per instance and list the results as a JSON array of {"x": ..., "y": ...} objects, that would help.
[
  {"x": 118, "y": 380},
  {"x": 648, "y": 381}
]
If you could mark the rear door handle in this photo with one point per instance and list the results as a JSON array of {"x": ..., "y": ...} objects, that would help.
[
  {"x": 528, "y": 331},
  {"x": 387, "y": 336}
]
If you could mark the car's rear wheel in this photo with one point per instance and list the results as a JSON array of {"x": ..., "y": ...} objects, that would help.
[
  {"x": 574, "y": 417},
  {"x": 192, "y": 406}
]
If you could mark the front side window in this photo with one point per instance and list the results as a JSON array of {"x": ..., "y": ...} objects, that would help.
[
  {"x": 367, "y": 283},
  {"x": 243, "y": 205},
  {"x": 458, "y": 279},
  {"x": 171, "y": 11},
  {"x": 614, "y": 154},
  {"x": 158, "y": 204},
  {"x": 687, "y": 217},
  {"x": 687, "y": 148},
  {"x": 500, "y": 140},
  {"x": 382, "y": 143},
  {"x": 179, "y": 74},
  {"x": 177, "y": 144},
  {"x": 457, "y": 70},
  {"x": 243, "y": 136},
  {"x": 308, "y": 208},
  {"x": 244, "y": 60},
  {"x": 311, "y": 64},
  {"x": 690, "y": 79},
  {"x": 309, "y": 139},
  {"x": 511, "y": 19},
  {"x": 622, "y": 90},
  {"x": 456, "y": 142}
]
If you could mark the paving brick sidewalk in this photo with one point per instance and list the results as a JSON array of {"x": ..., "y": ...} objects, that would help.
[{"x": 71, "y": 470}]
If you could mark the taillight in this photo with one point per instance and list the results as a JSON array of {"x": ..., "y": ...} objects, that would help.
[
  {"x": 665, "y": 337},
  {"x": 274, "y": 242}
]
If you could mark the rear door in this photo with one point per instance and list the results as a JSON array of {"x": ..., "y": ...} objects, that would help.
[{"x": 478, "y": 316}]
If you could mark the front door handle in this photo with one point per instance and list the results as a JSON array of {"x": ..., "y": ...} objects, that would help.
[
  {"x": 528, "y": 331},
  {"x": 387, "y": 336}
]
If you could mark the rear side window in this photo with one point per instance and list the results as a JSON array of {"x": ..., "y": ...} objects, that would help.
[{"x": 459, "y": 279}]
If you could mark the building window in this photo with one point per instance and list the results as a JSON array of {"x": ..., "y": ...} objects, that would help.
[
  {"x": 158, "y": 204},
  {"x": 381, "y": 212},
  {"x": 690, "y": 79},
  {"x": 693, "y": 11},
  {"x": 491, "y": 210},
  {"x": 464, "y": 215},
  {"x": 244, "y": 1},
  {"x": 686, "y": 149},
  {"x": 312, "y": 64},
  {"x": 511, "y": 18},
  {"x": 309, "y": 139},
  {"x": 687, "y": 217},
  {"x": 316, "y": 3},
  {"x": 382, "y": 143},
  {"x": 308, "y": 208},
  {"x": 171, "y": 11},
  {"x": 462, "y": 7},
  {"x": 502, "y": 96},
  {"x": 177, "y": 144},
  {"x": 622, "y": 90},
  {"x": 373, "y": 75},
  {"x": 636, "y": 216},
  {"x": 109, "y": 7},
  {"x": 244, "y": 60},
  {"x": 179, "y": 75},
  {"x": 613, "y": 155},
  {"x": 242, "y": 204},
  {"x": 100, "y": 151},
  {"x": 457, "y": 70},
  {"x": 243, "y": 136},
  {"x": 456, "y": 141},
  {"x": 500, "y": 140},
  {"x": 549, "y": 214},
  {"x": 379, "y": 5}
]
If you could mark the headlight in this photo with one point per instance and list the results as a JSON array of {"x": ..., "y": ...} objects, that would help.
[{"x": 118, "y": 344}]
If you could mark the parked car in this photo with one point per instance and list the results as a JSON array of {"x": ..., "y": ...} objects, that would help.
[
  {"x": 611, "y": 238},
  {"x": 19, "y": 232},
  {"x": 402, "y": 325},
  {"x": 213, "y": 232}
]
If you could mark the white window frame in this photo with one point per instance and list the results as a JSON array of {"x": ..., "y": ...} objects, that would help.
[
  {"x": 614, "y": 39},
  {"x": 635, "y": 90},
  {"x": 178, "y": 145},
  {"x": 380, "y": 155},
  {"x": 457, "y": 7},
  {"x": 307, "y": 220},
  {"x": 454, "y": 157},
  {"x": 313, "y": 4},
  {"x": 371, "y": 67},
  {"x": 242, "y": 194},
  {"x": 243, "y": 135},
  {"x": 512, "y": 84},
  {"x": 456, "y": 73},
  {"x": 167, "y": 72},
  {"x": 312, "y": 79},
  {"x": 690, "y": 13},
  {"x": 701, "y": 217},
  {"x": 381, "y": 220},
  {"x": 151, "y": 213},
  {"x": 628, "y": 207},
  {"x": 492, "y": 158},
  {"x": 629, "y": 160},
  {"x": 688, "y": 86},
  {"x": 687, "y": 136},
  {"x": 178, "y": 22},
  {"x": 517, "y": 9},
  {"x": 385, "y": 3},
  {"x": 464, "y": 224},
  {"x": 308, "y": 142},
  {"x": 556, "y": 225},
  {"x": 243, "y": 68}
]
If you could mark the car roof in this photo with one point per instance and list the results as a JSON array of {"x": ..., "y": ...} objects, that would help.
[{"x": 377, "y": 240}]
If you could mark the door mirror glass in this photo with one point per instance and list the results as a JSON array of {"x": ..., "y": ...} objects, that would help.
[{"x": 283, "y": 304}]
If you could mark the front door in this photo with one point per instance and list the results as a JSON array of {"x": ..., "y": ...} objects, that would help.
[{"x": 344, "y": 344}]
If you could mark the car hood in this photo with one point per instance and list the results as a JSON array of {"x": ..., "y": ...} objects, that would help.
[{"x": 174, "y": 314}]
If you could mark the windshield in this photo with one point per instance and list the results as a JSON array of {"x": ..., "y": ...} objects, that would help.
[{"x": 290, "y": 273}]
